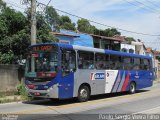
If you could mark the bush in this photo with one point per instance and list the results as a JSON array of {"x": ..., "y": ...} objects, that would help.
[
  {"x": 22, "y": 91},
  {"x": 6, "y": 58}
]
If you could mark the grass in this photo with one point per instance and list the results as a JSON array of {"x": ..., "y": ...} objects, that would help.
[{"x": 15, "y": 96}]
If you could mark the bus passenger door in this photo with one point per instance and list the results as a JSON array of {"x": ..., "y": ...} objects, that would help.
[{"x": 68, "y": 67}]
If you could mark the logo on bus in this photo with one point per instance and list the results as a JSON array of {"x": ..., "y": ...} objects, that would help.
[{"x": 97, "y": 76}]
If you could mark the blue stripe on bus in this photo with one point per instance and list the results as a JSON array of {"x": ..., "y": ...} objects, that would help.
[{"x": 126, "y": 54}]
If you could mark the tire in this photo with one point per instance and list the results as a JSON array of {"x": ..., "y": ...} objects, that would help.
[
  {"x": 132, "y": 88},
  {"x": 83, "y": 94}
]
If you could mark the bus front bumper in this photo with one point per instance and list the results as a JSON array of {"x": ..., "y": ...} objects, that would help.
[{"x": 52, "y": 92}]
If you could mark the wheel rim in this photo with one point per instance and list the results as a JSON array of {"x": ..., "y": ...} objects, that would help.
[{"x": 83, "y": 94}]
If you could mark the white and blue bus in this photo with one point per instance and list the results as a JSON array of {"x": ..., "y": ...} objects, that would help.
[{"x": 55, "y": 70}]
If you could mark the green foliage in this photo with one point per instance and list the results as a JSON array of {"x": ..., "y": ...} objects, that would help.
[
  {"x": 111, "y": 32},
  {"x": 21, "y": 89},
  {"x": 15, "y": 30},
  {"x": 130, "y": 39},
  {"x": 66, "y": 23},
  {"x": 84, "y": 26},
  {"x": 52, "y": 18},
  {"x": 2, "y": 5},
  {"x": 6, "y": 58},
  {"x": 158, "y": 57},
  {"x": 22, "y": 92}
]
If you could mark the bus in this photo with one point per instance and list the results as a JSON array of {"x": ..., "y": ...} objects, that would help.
[{"x": 56, "y": 70}]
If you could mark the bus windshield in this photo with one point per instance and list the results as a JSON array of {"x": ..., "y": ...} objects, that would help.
[{"x": 41, "y": 62}]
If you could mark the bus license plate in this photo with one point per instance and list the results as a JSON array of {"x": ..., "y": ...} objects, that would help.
[{"x": 37, "y": 93}]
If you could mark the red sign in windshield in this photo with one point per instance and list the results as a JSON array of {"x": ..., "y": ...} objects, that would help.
[{"x": 42, "y": 48}]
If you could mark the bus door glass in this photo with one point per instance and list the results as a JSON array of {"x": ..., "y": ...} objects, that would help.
[
  {"x": 68, "y": 67},
  {"x": 137, "y": 73}
]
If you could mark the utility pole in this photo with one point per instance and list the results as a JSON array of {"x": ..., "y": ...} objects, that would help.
[
  {"x": 33, "y": 22},
  {"x": 33, "y": 31}
]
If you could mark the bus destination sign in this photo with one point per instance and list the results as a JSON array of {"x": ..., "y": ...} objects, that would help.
[{"x": 43, "y": 48}]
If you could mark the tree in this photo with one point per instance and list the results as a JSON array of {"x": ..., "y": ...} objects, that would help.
[
  {"x": 66, "y": 23},
  {"x": 158, "y": 58},
  {"x": 15, "y": 33},
  {"x": 130, "y": 39},
  {"x": 43, "y": 30},
  {"x": 52, "y": 18},
  {"x": 2, "y": 5},
  {"x": 110, "y": 32},
  {"x": 85, "y": 26}
]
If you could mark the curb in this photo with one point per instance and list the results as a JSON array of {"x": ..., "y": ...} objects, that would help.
[{"x": 33, "y": 101}]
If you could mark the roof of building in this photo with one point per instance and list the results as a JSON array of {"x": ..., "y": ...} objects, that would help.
[
  {"x": 149, "y": 50},
  {"x": 62, "y": 34},
  {"x": 114, "y": 38}
]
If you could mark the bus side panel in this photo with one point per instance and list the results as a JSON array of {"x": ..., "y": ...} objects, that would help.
[
  {"x": 142, "y": 78},
  {"x": 145, "y": 79},
  {"x": 121, "y": 82},
  {"x": 85, "y": 76},
  {"x": 66, "y": 85}
]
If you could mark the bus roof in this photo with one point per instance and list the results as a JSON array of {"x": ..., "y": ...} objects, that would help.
[{"x": 112, "y": 52}]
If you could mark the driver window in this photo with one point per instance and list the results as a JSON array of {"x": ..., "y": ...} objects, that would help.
[{"x": 68, "y": 61}]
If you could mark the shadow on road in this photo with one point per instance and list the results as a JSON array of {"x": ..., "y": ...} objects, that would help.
[{"x": 57, "y": 102}]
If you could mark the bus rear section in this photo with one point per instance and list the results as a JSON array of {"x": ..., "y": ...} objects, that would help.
[{"x": 110, "y": 72}]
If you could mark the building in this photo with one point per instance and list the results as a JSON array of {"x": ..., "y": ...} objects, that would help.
[
  {"x": 89, "y": 40},
  {"x": 74, "y": 38},
  {"x": 110, "y": 43},
  {"x": 135, "y": 47}
]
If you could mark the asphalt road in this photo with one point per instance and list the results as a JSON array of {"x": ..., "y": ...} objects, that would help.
[{"x": 109, "y": 106}]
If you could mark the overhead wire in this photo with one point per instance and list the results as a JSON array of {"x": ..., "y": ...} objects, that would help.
[
  {"x": 15, "y": 5},
  {"x": 150, "y": 8},
  {"x": 133, "y": 3},
  {"x": 140, "y": 33},
  {"x": 101, "y": 23},
  {"x": 153, "y": 4}
]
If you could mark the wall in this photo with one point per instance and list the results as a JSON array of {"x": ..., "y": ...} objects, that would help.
[
  {"x": 10, "y": 75},
  {"x": 82, "y": 40},
  {"x": 127, "y": 47},
  {"x": 139, "y": 49}
]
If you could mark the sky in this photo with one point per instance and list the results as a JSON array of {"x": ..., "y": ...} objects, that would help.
[{"x": 142, "y": 16}]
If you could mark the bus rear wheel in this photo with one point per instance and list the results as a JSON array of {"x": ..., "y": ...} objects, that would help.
[
  {"x": 83, "y": 94},
  {"x": 132, "y": 88}
]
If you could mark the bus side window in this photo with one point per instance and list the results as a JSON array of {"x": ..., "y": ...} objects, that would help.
[
  {"x": 142, "y": 64},
  {"x": 101, "y": 61},
  {"x": 136, "y": 65},
  {"x": 68, "y": 61},
  {"x": 127, "y": 63},
  {"x": 85, "y": 60},
  {"x": 146, "y": 64},
  {"x": 115, "y": 62},
  {"x": 150, "y": 64}
]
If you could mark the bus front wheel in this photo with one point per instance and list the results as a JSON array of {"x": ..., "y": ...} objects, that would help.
[
  {"x": 132, "y": 88},
  {"x": 83, "y": 94}
]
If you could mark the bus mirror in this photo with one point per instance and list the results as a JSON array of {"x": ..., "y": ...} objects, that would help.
[{"x": 22, "y": 62}]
